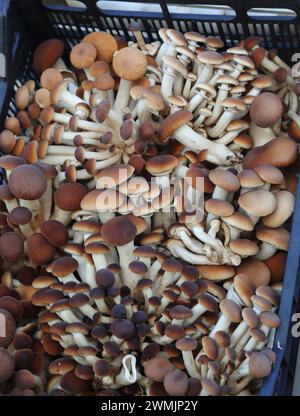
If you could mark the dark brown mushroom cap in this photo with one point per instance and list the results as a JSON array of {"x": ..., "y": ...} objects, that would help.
[
  {"x": 123, "y": 328},
  {"x": 27, "y": 182},
  {"x": 280, "y": 152},
  {"x": 69, "y": 195},
  {"x": 172, "y": 123},
  {"x": 105, "y": 278},
  {"x": 55, "y": 232},
  {"x": 162, "y": 164},
  {"x": 180, "y": 312},
  {"x": 118, "y": 231},
  {"x": 129, "y": 63},
  {"x": 72, "y": 384},
  {"x": 157, "y": 368},
  {"x": 39, "y": 250},
  {"x": 46, "y": 54},
  {"x": 7, "y": 367},
  {"x": 13, "y": 306},
  {"x": 231, "y": 310},
  {"x": 61, "y": 366},
  {"x": 11, "y": 246},
  {"x": 176, "y": 383},
  {"x": 101, "y": 368},
  {"x": 63, "y": 266},
  {"x": 20, "y": 216},
  {"x": 7, "y": 322},
  {"x": 266, "y": 109}
]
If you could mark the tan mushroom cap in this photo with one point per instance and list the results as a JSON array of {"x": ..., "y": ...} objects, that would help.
[
  {"x": 269, "y": 173},
  {"x": 175, "y": 64},
  {"x": 69, "y": 195},
  {"x": 210, "y": 58},
  {"x": 231, "y": 310},
  {"x": 46, "y": 54},
  {"x": 219, "y": 207},
  {"x": 284, "y": 209},
  {"x": 119, "y": 231},
  {"x": 129, "y": 63},
  {"x": 224, "y": 179},
  {"x": 22, "y": 97},
  {"x": 277, "y": 237},
  {"x": 243, "y": 60},
  {"x": 50, "y": 77},
  {"x": 244, "y": 247},
  {"x": 172, "y": 123},
  {"x": 262, "y": 81},
  {"x": 280, "y": 152},
  {"x": 215, "y": 273},
  {"x": 186, "y": 52},
  {"x": 240, "y": 221},
  {"x": 105, "y": 44},
  {"x": 214, "y": 42},
  {"x": 233, "y": 104},
  {"x": 249, "y": 202},
  {"x": 104, "y": 82},
  {"x": 244, "y": 140},
  {"x": 83, "y": 55},
  {"x": 256, "y": 271},
  {"x": 259, "y": 365},
  {"x": 161, "y": 165},
  {"x": 101, "y": 200},
  {"x": 266, "y": 109},
  {"x": 176, "y": 37},
  {"x": 7, "y": 141},
  {"x": 27, "y": 182},
  {"x": 249, "y": 179},
  {"x": 195, "y": 36},
  {"x": 114, "y": 175},
  {"x": 210, "y": 347}
]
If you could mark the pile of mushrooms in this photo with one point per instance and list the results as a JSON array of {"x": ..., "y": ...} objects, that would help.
[{"x": 145, "y": 216}]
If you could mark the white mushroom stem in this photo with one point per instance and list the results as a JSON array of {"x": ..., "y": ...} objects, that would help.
[
  {"x": 266, "y": 251},
  {"x": 189, "y": 363},
  {"x": 204, "y": 74},
  {"x": 222, "y": 123},
  {"x": 61, "y": 118},
  {"x": 183, "y": 253},
  {"x": 229, "y": 136},
  {"x": 260, "y": 135},
  {"x": 196, "y": 100},
  {"x": 125, "y": 257},
  {"x": 269, "y": 65},
  {"x": 60, "y": 65},
  {"x": 92, "y": 126},
  {"x": 60, "y": 215},
  {"x": 162, "y": 52},
  {"x": 197, "y": 311},
  {"x": 70, "y": 101},
  {"x": 167, "y": 82},
  {"x": 68, "y": 316},
  {"x": 218, "y": 153},
  {"x": 123, "y": 95},
  {"x": 187, "y": 87}
]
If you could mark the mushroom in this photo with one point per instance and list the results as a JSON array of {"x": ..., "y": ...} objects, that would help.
[{"x": 272, "y": 239}]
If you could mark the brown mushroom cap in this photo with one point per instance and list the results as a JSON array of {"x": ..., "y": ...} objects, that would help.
[
  {"x": 161, "y": 165},
  {"x": 55, "y": 232},
  {"x": 7, "y": 367},
  {"x": 172, "y": 123},
  {"x": 176, "y": 383},
  {"x": 231, "y": 310},
  {"x": 266, "y": 109},
  {"x": 219, "y": 207},
  {"x": 105, "y": 44},
  {"x": 20, "y": 216},
  {"x": 259, "y": 365},
  {"x": 248, "y": 202},
  {"x": 279, "y": 152},
  {"x": 224, "y": 179},
  {"x": 119, "y": 231},
  {"x": 7, "y": 141},
  {"x": 40, "y": 251},
  {"x": 256, "y": 271},
  {"x": 244, "y": 247},
  {"x": 11, "y": 247},
  {"x": 83, "y": 55},
  {"x": 277, "y": 237},
  {"x": 157, "y": 368},
  {"x": 27, "y": 182},
  {"x": 46, "y": 54},
  {"x": 69, "y": 195},
  {"x": 129, "y": 63}
]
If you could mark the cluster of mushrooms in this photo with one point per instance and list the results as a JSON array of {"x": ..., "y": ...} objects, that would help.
[{"x": 143, "y": 216}]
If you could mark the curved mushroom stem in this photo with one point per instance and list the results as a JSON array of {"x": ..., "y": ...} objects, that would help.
[{"x": 218, "y": 153}]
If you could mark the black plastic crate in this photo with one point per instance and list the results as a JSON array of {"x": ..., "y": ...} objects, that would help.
[{"x": 25, "y": 23}]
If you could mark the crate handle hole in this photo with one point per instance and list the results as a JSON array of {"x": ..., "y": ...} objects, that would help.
[{"x": 258, "y": 13}]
